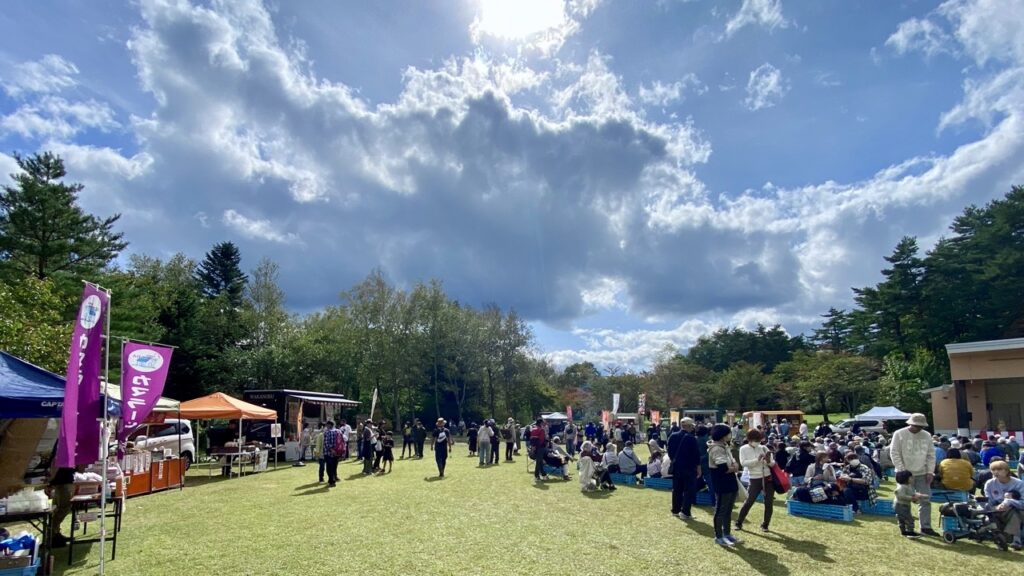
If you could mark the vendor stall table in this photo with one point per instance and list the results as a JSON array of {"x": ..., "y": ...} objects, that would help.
[
  {"x": 41, "y": 522},
  {"x": 158, "y": 475},
  {"x": 82, "y": 505}
]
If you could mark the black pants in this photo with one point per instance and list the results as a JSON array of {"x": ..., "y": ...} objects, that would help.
[
  {"x": 441, "y": 457},
  {"x": 494, "y": 452},
  {"x": 538, "y": 469},
  {"x": 419, "y": 448},
  {"x": 320, "y": 470},
  {"x": 723, "y": 513},
  {"x": 757, "y": 486},
  {"x": 509, "y": 448},
  {"x": 331, "y": 463},
  {"x": 407, "y": 443},
  {"x": 684, "y": 491}
]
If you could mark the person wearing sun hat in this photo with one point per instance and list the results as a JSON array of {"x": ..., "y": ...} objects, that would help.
[
  {"x": 912, "y": 450},
  {"x": 442, "y": 443}
]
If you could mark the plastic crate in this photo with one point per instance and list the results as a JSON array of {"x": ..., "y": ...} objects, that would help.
[
  {"x": 704, "y": 498},
  {"x": 889, "y": 472},
  {"x": 552, "y": 471},
  {"x": 658, "y": 483},
  {"x": 26, "y": 571},
  {"x": 624, "y": 479},
  {"x": 942, "y": 496},
  {"x": 820, "y": 511},
  {"x": 881, "y": 507}
]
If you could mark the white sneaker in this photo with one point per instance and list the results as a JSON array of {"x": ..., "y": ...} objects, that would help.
[
  {"x": 732, "y": 539},
  {"x": 723, "y": 542},
  {"x": 684, "y": 516}
]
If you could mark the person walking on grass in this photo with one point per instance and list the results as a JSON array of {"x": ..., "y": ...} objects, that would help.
[
  {"x": 367, "y": 442},
  {"x": 483, "y": 444},
  {"x": 443, "y": 441},
  {"x": 538, "y": 442},
  {"x": 509, "y": 434},
  {"x": 334, "y": 446},
  {"x": 723, "y": 479},
  {"x": 419, "y": 436},
  {"x": 407, "y": 440},
  {"x": 912, "y": 450},
  {"x": 387, "y": 454},
  {"x": 685, "y": 458},
  {"x": 346, "y": 436},
  {"x": 495, "y": 441},
  {"x": 571, "y": 433},
  {"x": 472, "y": 437},
  {"x": 757, "y": 461}
]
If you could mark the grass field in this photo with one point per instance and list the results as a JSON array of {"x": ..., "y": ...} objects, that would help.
[{"x": 487, "y": 521}]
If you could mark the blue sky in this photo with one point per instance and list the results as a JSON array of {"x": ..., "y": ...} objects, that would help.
[{"x": 627, "y": 175}]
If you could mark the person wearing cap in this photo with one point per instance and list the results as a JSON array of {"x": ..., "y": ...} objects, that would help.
[
  {"x": 419, "y": 435},
  {"x": 571, "y": 432},
  {"x": 912, "y": 450},
  {"x": 508, "y": 434},
  {"x": 685, "y": 457},
  {"x": 443, "y": 442},
  {"x": 723, "y": 470}
]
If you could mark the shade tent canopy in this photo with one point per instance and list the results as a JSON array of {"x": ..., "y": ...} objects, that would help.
[
  {"x": 220, "y": 405},
  {"x": 113, "y": 391},
  {"x": 884, "y": 413},
  {"x": 28, "y": 391},
  {"x": 555, "y": 416},
  {"x": 324, "y": 399}
]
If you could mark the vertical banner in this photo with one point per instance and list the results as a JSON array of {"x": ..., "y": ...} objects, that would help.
[
  {"x": 656, "y": 417},
  {"x": 143, "y": 375},
  {"x": 568, "y": 412},
  {"x": 605, "y": 418},
  {"x": 373, "y": 404},
  {"x": 615, "y": 403},
  {"x": 673, "y": 416},
  {"x": 79, "y": 438},
  {"x": 641, "y": 405}
]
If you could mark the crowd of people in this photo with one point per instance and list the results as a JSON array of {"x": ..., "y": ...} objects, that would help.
[{"x": 728, "y": 464}]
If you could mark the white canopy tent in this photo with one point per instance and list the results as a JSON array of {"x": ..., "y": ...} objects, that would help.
[
  {"x": 883, "y": 413},
  {"x": 556, "y": 417}
]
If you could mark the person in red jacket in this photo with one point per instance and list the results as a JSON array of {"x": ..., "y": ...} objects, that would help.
[{"x": 538, "y": 441}]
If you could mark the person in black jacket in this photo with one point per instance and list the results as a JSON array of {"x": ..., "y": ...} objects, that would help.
[
  {"x": 799, "y": 462},
  {"x": 685, "y": 469}
]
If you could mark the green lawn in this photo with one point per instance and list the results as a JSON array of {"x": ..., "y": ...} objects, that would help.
[{"x": 487, "y": 521}]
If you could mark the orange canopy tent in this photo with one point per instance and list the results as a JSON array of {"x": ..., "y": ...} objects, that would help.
[{"x": 220, "y": 405}]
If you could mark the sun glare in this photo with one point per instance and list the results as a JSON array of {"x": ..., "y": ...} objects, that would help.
[{"x": 517, "y": 19}]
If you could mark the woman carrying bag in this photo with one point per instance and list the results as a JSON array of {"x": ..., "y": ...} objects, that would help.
[{"x": 757, "y": 461}]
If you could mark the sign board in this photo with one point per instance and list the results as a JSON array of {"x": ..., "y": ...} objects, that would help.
[
  {"x": 262, "y": 457},
  {"x": 275, "y": 430}
]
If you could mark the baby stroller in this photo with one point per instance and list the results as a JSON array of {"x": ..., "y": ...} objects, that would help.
[{"x": 972, "y": 521}]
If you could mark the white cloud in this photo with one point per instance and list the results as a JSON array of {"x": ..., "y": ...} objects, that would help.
[
  {"x": 258, "y": 229},
  {"x": 920, "y": 34},
  {"x": 828, "y": 80},
  {"x": 660, "y": 94},
  {"x": 56, "y": 117},
  {"x": 45, "y": 76},
  {"x": 766, "y": 13},
  {"x": 540, "y": 27},
  {"x": 765, "y": 88},
  {"x": 988, "y": 29}
]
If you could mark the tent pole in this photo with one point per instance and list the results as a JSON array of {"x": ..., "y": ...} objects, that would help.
[
  {"x": 195, "y": 438},
  {"x": 239, "y": 448}
]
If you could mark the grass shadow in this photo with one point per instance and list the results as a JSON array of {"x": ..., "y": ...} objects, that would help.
[
  {"x": 597, "y": 494},
  {"x": 322, "y": 490},
  {"x": 357, "y": 476},
  {"x": 814, "y": 550},
  {"x": 761, "y": 561},
  {"x": 433, "y": 478},
  {"x": 970, "y": 548},
  {"x": 310, "y": 485},
  {"x": 540, "y": 486}
]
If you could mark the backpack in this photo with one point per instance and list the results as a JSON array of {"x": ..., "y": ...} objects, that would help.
[{"x": 506, "y": 434}]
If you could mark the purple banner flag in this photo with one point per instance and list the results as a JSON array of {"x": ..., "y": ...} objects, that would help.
[
  {"x": 79, "y": 439},
  {"x": 143, "y": 374}
]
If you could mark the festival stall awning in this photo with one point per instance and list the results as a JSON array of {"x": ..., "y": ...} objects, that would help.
[
  {"x": 220, "y": 405},
  {"x": 113, "y": 391},
  {"x": 884, "y": 413},
  {"x": 28, "y": 391},
  {"x": 555, "y": 416},
  {"x": 324, "y": 399}
]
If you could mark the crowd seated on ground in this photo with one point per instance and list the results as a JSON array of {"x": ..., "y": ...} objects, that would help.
[
  {"x": 594, "y": 474},
  {"x": 557, "y": 457},
  {"x": 1003, "y": 493},
  {"x": 629, "y": 462}
]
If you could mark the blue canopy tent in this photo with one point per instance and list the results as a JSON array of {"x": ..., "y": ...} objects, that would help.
[{"x": 28, "y": 391}]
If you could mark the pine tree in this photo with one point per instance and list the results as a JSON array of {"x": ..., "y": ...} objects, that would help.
[
  {"x": 44, "y": 232},
  {"x": 220, "y": 273}
]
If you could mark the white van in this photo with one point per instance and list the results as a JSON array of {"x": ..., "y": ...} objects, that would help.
[{"x": 166, "y": 435}]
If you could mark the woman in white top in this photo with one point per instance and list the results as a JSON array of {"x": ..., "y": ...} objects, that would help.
[
  {"x": 483, "y": 443},
  {"x": 610, "y": 458},
  {"x": 757, "y": 460},
  {"x": 821, "y": 472}
]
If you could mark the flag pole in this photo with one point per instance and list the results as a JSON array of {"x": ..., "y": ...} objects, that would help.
[{"x": 104, "y": 441}]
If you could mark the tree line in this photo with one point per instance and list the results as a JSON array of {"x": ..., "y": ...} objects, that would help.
[{"x": 428, "y": 354}]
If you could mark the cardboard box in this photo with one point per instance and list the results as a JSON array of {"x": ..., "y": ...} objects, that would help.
[{"x": 10, "y": 562}]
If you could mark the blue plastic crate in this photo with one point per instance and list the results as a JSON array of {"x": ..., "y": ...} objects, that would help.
[
  {"x": 625, "y": 479},
  {"x": 881, "y": 507},
  {"x": 942, "y": 496},
  {"x": 820, "y": 511},
  {"x": 889, "y": 472},
  {"x": 704, "y": 498},
  {"x": 27, "y": 571},
  {"x": 658, "y": 483},
  {"x": 552, "y": 471}
]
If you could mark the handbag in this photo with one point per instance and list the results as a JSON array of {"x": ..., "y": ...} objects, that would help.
[
  {"x": 780, "y": 479},
  {"x": 741, "y": 490},
  {"x": 818, "y": 494}
]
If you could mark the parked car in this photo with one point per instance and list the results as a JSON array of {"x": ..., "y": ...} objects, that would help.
[
  {"x": 166, "y": 435},
  {"x": 866, "y": 426}
]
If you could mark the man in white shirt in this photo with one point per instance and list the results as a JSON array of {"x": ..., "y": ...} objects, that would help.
[
  {"x": 803, "y": 429},
  {"x": 346, "y": 433},
  {"x": 912, "y": 450}
]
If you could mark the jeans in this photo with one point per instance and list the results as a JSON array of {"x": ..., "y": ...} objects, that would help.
[
  {"x": 684, "y": 491},
  {"x": 419, "y": 448},
  {"x": 570, "y": 446},
  {"x": 332, "y": 468},
  {"x": 538, "y": 469},
  {"x": 62, "y": 494},
  {"x": 723, "y": 513},
  {"x": 757, "y": 486},
  {"x": 407, "y": 444},
  {"x": 853, "y": 495},
  {"x": 320, "y": 470},
  {"x": 485, "y": 452},
  {"x": 924, "y": 507},
  {"x": 509, "y": 448},
  {"x": 905, "y": 518}
]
